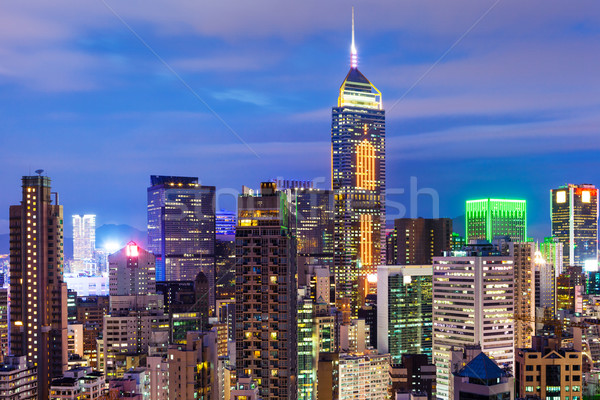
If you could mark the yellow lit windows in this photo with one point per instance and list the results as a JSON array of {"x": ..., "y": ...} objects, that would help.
[
  {"x": 366, "y": 239},
  {"x": 365, "y": 166}
]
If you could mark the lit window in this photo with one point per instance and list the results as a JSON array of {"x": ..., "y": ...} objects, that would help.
[
  {"x": 586, "y": 196},
  {"x": 561, "y": 196}
]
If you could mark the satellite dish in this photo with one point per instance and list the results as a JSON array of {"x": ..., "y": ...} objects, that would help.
[{"x": 39, "y": 171}]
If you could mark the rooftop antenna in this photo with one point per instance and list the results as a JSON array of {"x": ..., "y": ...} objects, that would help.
[
  {"x": 353, "y": 53},
  {"x": 39, "y": 171}
]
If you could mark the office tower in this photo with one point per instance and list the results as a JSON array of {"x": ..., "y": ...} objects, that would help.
[
  {"x": 132, "y": 271},
  {"x": 547, "y": 371},
  {"x": 84, "y": 240},
  {"x": 225, "y": 223},
  {"x": 193, "y": 367},
  {"x": 18, "y": 379},
  {"x": 404, "y": 310},
  {"x": 368, "y": 313},
  {"x": 570, "y": 287},
  {"x": 574, "y": 210},
  {"x": 346, "y": 376},
  {"x": 415, "y": 374},
  {"x": 265, "y": 294},
  {"x": 552, "y": 251},
  {"x": 312, "y": 224},
  {"x": 482, "y": 378},
  {"x": 358, "y": 180},
  {"x": 38, "y": 295},
  {"x": 418, "y": 240},
  {"x": 472, "y": 305},
  {"x": 544, "y": 284},
  {"x": 487, "y": 219},
  {"x": 181, "y": 229},
  {"x": 225, "y": 268},
  {"x": 524, "y": 301},
  {"x": 307, "y": 347}
]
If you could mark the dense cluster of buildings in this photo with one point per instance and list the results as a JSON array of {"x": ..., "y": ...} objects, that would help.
[{"x": 304, "y": 293}]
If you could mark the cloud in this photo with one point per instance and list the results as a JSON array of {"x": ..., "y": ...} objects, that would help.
[{"x": 243, "y": 96}]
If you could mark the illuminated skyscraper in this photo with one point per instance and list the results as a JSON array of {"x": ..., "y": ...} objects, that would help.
[
  {"x": 473, "y": 293},
  {"x": 38, "y": 295},
  {"x": 487, "y": 219},
  {"x": 358, "y": 180},
  {"x": 84, "y": 236},
  {"x": 551, "y": 250},
  {"x": 575, "y": 223},
  {"x": 265, "y": 295},
  {"x": 181, "y": 229}
]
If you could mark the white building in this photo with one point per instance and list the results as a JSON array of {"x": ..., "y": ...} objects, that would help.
[
  {"x": 84, "y": 241},
  {"x": 75, "y": 339},
  {"x": 18, "y": 380},
  {"x": 132, "y": 271},
  {"x": 473, "y": 294},
  {"x": 88, "y": 285},
  {"x": 158, "y": 369},
  {"x": 364, "y": 376}
]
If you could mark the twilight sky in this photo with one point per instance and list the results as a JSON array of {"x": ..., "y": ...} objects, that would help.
[{"x": 103, "y": 93}]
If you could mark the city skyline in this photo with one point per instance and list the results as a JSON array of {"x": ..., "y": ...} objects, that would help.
[{"x": 533, "y": 119}]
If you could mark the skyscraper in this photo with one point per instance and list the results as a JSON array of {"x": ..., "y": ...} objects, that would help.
[
  {"x": 181, "y": 229},
  {"x": 417, "y": 240},
  {"x": 38, "y": 295},
  {"x": 487, "y": 219},
  {"x": 524, "y": 293},
  {"x": 404, "y": 310},
  {"x": 575, "y": 222},
  {"x": 265, "y": 296},
  {"x": 472, "y": 305},
  {"x": 358, "y": 180},
  {"x": 551, "y": 250},
  {"x": 84, "y": 238}
]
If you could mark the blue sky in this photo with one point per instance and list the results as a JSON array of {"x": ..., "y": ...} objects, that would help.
[{"x": 513, "y": 109}]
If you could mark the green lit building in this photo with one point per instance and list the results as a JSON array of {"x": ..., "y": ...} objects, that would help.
[
  {"x": 307, "y": 350},
  {"x": 490, "y": 218},
  {"x": 404, "y": 310}
]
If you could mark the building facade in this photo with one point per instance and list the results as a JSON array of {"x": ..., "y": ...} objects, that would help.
[
  {"x": 574, "y": 210},
  {"x": 38, "y": 295},
  {"x": 404, "y": 310},
  {"x": 181, "y": 229},
  {"x": 473, "y": 292},
  {"x": 487, "y": 219},
  {"x": 418, "y": 240},
  {"x": 524, "y": 293},
  {"x": 18, "y": 379},
  {"x": 358, "y": 180},
  {"x": 265, "y": 298}
]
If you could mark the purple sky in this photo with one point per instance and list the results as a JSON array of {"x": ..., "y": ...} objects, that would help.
[{"x": 512, "y": 110}]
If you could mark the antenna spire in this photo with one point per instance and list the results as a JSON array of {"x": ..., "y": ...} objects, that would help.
[{"x": 353, "y": 53}]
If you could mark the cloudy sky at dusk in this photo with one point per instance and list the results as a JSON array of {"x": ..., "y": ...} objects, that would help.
[{"x": 102, "y": 94}]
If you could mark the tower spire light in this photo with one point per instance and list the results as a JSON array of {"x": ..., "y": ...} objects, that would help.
[{"x": 353, "y": 53}]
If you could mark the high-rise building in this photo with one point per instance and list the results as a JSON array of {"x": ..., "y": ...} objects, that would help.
[
  {"x": 574, "y": 210},
  {"x": 473, "y": 294},
  {"x": 266, "y": 325},
  {"x": 415, "y": 374},
  {"x": 404, "y": 310},
  {"x": 523, "y": 254},
  {"x": 84, "y": 239},
  {"x": 487, "y": 219},
  {"x": 418, "y": 240},
  {"x": 551, "y": 250},
  {"x": 307, "y": 348},
  {"x": 38, "y": 295},
  {"x": 4, "y": 345},
  {"x": 353, "y": 376},
  {"x": 544, "y": 284},
  {"x": 358, "y": 180},
  {"x": 570, "y": 287},
  {"x": 193, "y": 367},
  {"x": 131, "y": 272},
  {"x": 312, "y": 216},
  {"x": 181, "y": 229}
]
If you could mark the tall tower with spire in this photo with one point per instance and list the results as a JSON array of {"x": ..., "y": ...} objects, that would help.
[{"x": 358, "y": 179}]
